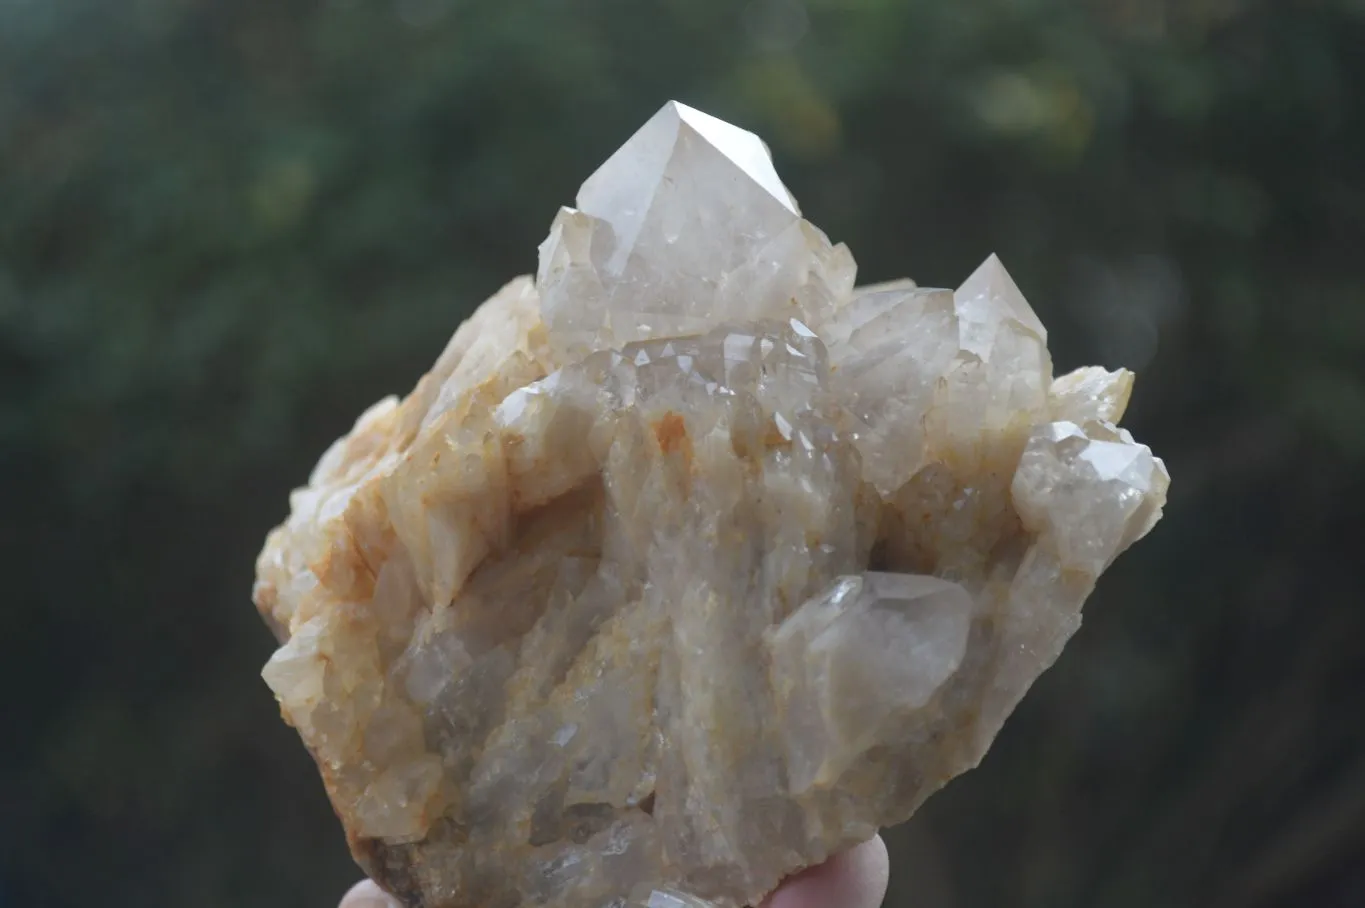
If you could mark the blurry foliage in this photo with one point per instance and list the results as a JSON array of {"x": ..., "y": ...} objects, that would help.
[{"x": 227, "y": 227}]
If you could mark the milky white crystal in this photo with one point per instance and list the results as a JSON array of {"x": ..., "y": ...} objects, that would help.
[{"x": 688, "y": 564}]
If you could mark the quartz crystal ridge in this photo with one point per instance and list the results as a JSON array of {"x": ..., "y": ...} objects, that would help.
[{"x": 688, "y": 564}]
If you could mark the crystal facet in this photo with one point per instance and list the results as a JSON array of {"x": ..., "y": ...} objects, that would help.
[
  {"x": 685, "y": 226},
  {"x": 689, "y": 564}
]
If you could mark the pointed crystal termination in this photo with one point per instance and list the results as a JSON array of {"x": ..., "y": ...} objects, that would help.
[
  {"x": 855, "y": 661},
  {"x": 589, "y": 618},
  {"x": 690, "y": 171},
  {"x": 988, "y": 297},
  {"x": 686, "y": 220}
]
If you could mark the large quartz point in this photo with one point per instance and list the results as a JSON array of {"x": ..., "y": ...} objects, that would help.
[{"x": 688, "y": 565}]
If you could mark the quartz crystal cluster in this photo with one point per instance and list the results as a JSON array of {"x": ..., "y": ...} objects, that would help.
[{"x": 689, "y": 563}]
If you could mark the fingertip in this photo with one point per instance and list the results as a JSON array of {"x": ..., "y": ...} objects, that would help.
[
  {"x": 857, "y": 878},
  {"x": 873, "y": 870},
  {"x": 366, "y": 894}
]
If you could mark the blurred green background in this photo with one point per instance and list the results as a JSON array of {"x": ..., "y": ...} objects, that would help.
[{"x": 226, "y": 227}]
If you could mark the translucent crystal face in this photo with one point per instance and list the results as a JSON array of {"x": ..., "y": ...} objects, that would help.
[
  {"x": 689, "y": 564},
  {"x": 685, "y": 172},
  {"x": 685, "y": 226}
]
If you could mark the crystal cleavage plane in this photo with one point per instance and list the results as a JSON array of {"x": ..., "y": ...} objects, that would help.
[{"x": 689, "y": 563}]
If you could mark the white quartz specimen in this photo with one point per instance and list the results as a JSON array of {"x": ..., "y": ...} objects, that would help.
[{"x": 688, "y": 564}]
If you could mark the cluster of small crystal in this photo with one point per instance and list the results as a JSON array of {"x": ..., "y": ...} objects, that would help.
[{"x": 689, "y": 564}]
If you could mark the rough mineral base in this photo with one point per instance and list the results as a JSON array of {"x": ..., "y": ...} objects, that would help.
[{"x": 689, "y": 564}]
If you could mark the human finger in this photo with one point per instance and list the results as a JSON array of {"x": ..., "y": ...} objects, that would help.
[
  {"x": 856, "y": 878},
  {"x": 366, "y": 894}
]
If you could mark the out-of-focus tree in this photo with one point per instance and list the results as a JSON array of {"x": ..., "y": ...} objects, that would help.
[{"x": 227, "y": 227}]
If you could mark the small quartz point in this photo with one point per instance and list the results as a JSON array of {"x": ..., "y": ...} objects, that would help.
[{"x": 689, "y": 564}]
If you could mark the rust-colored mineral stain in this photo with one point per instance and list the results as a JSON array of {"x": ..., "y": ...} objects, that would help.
[
  {"x": 773, "y": 437},
  {"x": 671, "y": 432}
]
